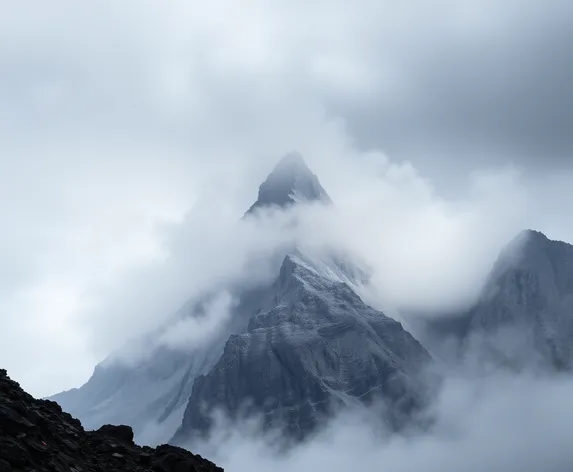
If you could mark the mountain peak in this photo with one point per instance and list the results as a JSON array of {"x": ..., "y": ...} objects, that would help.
[
  {"x": 290, "y": 182},
  {"x": 533, "y": 252},
  {"x": 291, "y": 162},
  {"x": 531, "y": 235},
  {"x": 526, "y": 239}
]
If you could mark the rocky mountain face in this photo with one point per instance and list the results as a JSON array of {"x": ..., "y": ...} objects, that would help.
[
  {"x": 317, "y": 348},
  {"x": 36, "y": 435},
  {"x": 524, "y": 316},
  {"x": 293, "y": 350}
]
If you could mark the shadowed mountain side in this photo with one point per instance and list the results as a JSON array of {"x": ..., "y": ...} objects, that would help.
[{"x": 318, "y": 348}]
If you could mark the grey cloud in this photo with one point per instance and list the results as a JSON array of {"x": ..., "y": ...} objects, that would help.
[
  {"x": 117, "y": 118},
  {"x": 500, "y": 93},
  {"x": 134, "y": 134},
  {"x": 496, "y": 422}
]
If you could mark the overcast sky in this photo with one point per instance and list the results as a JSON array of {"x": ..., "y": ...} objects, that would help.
[{"x": 118, "y": 118}]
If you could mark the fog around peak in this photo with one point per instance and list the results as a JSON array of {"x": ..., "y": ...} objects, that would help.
[
  {"x": 133, "y": 138},
  {"x": 497, "y": 423}
]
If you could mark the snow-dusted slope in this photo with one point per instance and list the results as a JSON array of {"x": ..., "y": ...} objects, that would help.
[{"x": 317, "y": 348}]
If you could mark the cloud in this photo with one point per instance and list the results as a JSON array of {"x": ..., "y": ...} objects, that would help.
[
  {"x": 424, "y": 252},
  {"x": 119, "y": 118},
  {"x": 198, "y": 331},
  {"x": 498, "y": 422}
]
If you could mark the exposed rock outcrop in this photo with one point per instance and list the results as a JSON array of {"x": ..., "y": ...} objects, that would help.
[
  {"x": 36, "y": 435},
  {"x": 318, "y": 348}
]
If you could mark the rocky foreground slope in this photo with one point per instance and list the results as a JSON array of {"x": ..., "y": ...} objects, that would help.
[{"x": 36, "y": 435}]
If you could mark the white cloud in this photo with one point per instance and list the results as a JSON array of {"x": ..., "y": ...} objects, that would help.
[
  {"x": 199, "y": 330},
  {"x": 496, "y": 423},
  {"x": 118, "y": 118}
]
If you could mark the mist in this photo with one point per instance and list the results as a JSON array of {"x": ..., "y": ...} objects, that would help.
[
  {"x": 130, "y": 131},
  {"x": 499, "y": 422},
  {"x": 421, "y": 251},
  {"x": 134, "y": 135}
]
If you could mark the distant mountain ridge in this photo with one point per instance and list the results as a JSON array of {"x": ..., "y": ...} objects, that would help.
[{"x": 524, "y": 315}]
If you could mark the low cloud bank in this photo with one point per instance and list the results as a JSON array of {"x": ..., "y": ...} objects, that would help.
[{"x": 499, "y": 422}]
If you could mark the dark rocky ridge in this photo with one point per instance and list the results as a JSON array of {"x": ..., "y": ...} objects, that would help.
[{"x": 36, "y": 435}]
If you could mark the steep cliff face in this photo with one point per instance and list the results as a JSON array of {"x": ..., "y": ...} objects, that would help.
[
  {"x": 37, "y": 435},
  {"x": 318, "y": 348},
  {"x": 524, "y": 316}
]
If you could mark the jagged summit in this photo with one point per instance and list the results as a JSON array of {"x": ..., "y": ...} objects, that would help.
[
  {"x": 528, "y": 248},
  {"x": 532, "y": 233},
  {"x": 530, "y": 237},
  {"x": 536, "y": 240},
  {"x": 522, "y": 317},
  {"x": 290, "y": 182}
]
